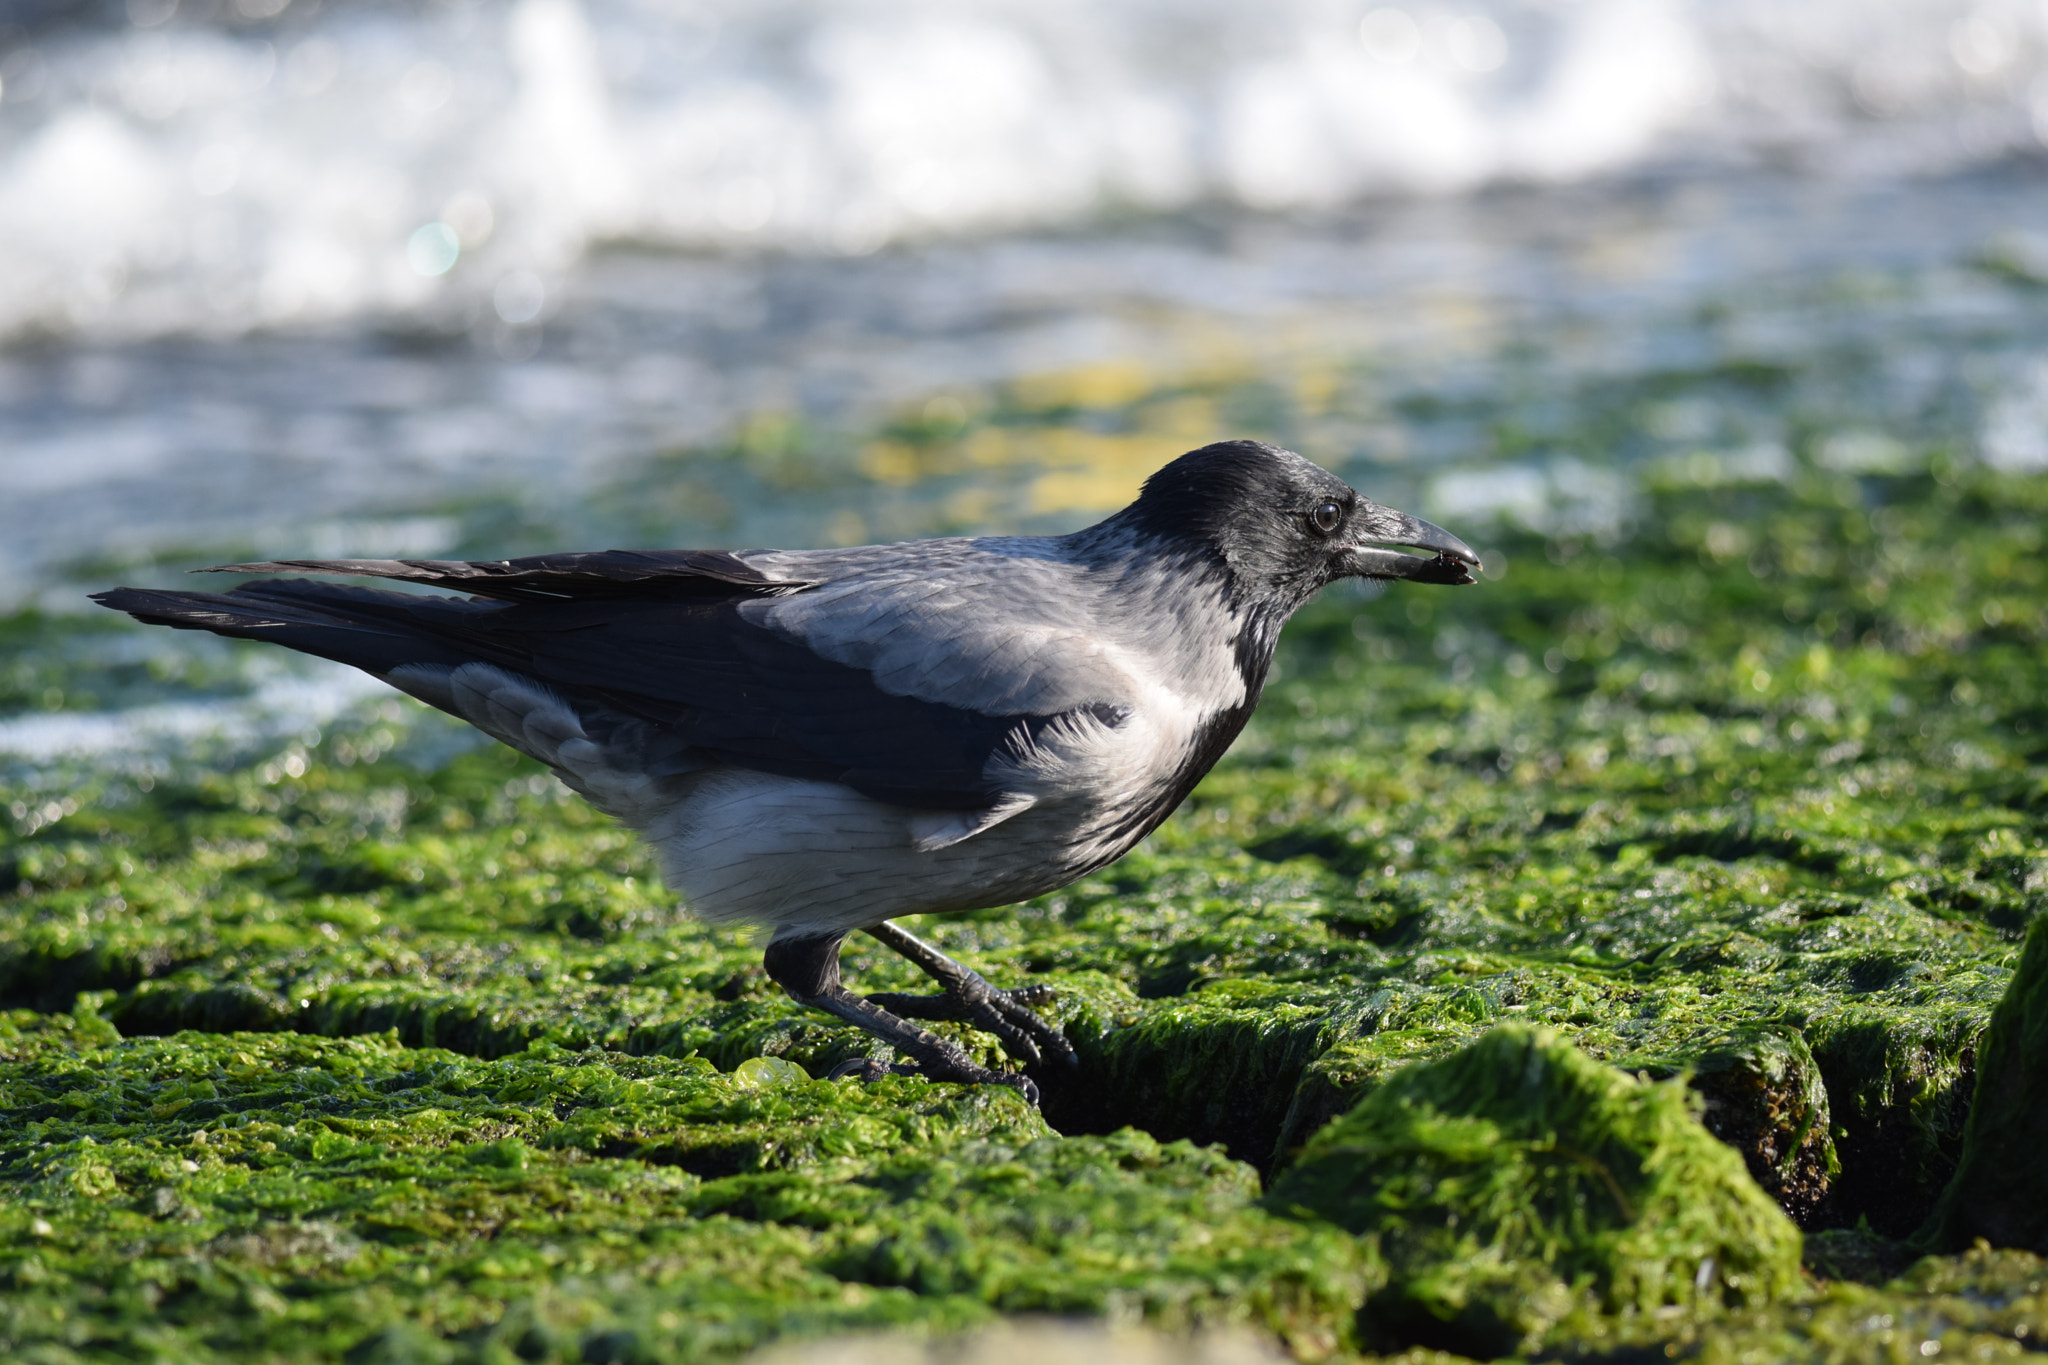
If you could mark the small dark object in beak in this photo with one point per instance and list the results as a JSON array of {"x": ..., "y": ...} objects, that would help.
[
  {"x": 1450, "y": 565},
  {"x": 1445, "y": 569}
]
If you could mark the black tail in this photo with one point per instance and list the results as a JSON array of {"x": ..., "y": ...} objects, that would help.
[
  {"x": 378, "y": 631},
  {"x": 367, "y": 629}
]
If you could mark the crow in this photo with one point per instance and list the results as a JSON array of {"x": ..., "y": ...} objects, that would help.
[{"x": 821, "y": 741}]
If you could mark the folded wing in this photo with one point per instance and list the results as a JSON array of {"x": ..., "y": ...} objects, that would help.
[{"x": 649, "y": 649}]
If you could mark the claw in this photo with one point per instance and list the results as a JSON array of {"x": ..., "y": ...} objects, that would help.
[
  {"x": 1012, "y": 1003},
  {"x": 1002, "y": 1014}
]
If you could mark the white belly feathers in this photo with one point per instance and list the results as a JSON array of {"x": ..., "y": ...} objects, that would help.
[{"x": 744, "y": 846}]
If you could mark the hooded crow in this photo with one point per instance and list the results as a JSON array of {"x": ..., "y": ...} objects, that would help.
[{"x": 823, "y": 740}]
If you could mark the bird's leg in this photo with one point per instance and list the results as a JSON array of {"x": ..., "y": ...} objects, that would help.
[
  {"x": 807, "y": 966},
  {"x": 968, "y": 997}
]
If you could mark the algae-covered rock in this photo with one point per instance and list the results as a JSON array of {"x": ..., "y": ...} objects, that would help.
[
  {"x": 1764, "y": 1097},
  {"x": 1520, "y": 1190},
  {"x": 1337, "y": 1081},
  {"x": 278, "y": 1196},
  {"x": 1898, "y": 1079},
  {"x": 2000, "y": 1190}
]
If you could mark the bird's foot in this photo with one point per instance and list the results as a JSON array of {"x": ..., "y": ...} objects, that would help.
[
  {"x": 960, "y": 1069},
  {"x": 807, "y": 966},
  {"x": 1005, "y": 1014},
  {"x": 970, "y": 999}
]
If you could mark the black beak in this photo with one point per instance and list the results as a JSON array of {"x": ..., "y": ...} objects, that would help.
[{"x": 1450, "y": 560}]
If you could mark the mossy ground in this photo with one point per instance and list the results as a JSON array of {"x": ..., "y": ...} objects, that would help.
[
  {"x": 381, "y": 1046},
  {"x": 1524, "y": 1195}
]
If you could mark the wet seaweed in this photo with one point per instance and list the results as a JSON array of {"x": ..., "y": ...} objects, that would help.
[{"x": 1522, "y": 1192}]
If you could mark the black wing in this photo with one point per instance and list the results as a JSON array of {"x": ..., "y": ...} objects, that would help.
[
  {"x": 583, "y": 575},
  {"x": 705, "y": 685}
]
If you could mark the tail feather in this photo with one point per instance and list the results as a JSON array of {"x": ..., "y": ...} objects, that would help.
[{"x": 366, "y": 629}]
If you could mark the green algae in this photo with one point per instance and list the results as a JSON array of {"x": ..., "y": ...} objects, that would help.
[
  {"x": 1981, "y": 1305},
  {"x": 272, "y": 1195},
  {"x": 1521, "y": 1192},
  {"x": 1763, "y": 1095},
  {"x": 2000, "y": 1189}
]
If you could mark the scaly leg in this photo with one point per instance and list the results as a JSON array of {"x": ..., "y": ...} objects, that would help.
[
  {"x": 807, "y": 966},
  {"x": 968, "y": 997}
]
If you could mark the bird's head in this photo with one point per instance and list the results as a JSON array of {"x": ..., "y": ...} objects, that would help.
[{"x": 1285, "y": 528}]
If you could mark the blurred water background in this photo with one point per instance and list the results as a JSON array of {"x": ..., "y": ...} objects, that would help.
[{"x": 489, "y": 277}]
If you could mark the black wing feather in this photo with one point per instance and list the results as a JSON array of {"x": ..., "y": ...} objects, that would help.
[
  {"x": 588, "y": 575},
  {"x": 708, "y": 684}
]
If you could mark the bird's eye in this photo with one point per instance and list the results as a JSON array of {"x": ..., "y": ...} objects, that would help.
[{"x": 1326, "y": 516}]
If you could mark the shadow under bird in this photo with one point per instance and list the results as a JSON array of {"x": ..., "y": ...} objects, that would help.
[{"x": 823, "y": 740}]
